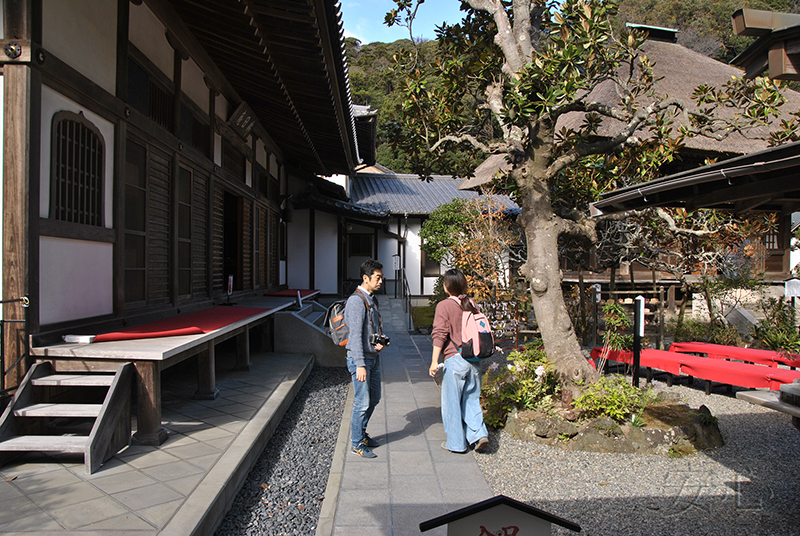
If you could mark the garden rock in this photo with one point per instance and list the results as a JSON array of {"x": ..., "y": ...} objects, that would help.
[
  {"x": 704, "y": 432},
  {"x": 530, "y": 425},
  {"x": 602, "y": 435}
]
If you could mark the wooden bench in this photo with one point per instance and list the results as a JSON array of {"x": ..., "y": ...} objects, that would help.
[
  {"x": 151, "y": 356},
  {"x": 711, "y": 370}
]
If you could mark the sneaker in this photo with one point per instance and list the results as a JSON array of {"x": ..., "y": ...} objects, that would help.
[
  {"x": 482, "y": 444},
  {"x": 369, "y": 442},
  {"x": 363, "y": 451},
  {"x": 444, "y": 446}
]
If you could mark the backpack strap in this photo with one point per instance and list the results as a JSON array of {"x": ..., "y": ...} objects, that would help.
[{"x": 366, "y": 304}]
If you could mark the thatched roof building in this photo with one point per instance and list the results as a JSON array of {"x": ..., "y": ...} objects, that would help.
[{"x": 678, "y": 71}]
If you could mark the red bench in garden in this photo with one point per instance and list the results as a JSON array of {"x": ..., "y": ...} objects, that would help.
[
  {"x": 751, "y": 355},
  {"x": 749, "y": 375}
]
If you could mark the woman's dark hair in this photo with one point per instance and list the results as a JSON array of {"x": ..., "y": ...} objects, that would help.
[{"x": 455, "y": 283}]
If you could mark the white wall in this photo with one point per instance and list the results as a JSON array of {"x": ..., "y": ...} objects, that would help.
[
  {"x": 297, "y": 258},
  {"x": 326, "y": 253},
  {"x": 193, "y": 85},
  {"x": 84, "y": 35},
  {"x": 148, "y": 35},
  {"x": 75, "y": 279},
  {"x": 414, "y": 258},
  {"x": 52, "y": 103}
]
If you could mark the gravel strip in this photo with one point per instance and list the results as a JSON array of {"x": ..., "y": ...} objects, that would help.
[
  {"x": 284, "y": 491},
  {"x": 749, "y": 486}
]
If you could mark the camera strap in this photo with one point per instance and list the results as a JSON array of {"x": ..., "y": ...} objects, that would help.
[{"x": 369, "y": 311}]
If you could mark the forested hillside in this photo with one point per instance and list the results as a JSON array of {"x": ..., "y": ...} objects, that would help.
[{"x": 704, "y": 26}]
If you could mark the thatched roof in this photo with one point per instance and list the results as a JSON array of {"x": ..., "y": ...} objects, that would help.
[{"x": 680, "y": 70}]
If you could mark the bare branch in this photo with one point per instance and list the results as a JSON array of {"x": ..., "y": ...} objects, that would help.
[
  {"x": 623, "y": 137},
  {"x": 664, "y": 215},
  {"x": 505, "y": 37},
  {"x": 472, "y": 140}
]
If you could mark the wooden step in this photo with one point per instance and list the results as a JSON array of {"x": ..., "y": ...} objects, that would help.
[
  {"x": 316, "y": 317},
  {"x": 73, "y": 380},
  {"x": 59, "y": 410},
  {"x": 40, "y": 443}
]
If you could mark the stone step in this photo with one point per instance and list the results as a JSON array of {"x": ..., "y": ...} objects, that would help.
[
  {"x": 39, "y": 443},
  {"x": 59, "y": 410}
]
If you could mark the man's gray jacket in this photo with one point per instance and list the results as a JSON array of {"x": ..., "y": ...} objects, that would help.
[{"x": 355, "y": 314}]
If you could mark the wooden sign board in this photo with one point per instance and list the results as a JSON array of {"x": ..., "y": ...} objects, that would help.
[{"x": 498, "y": 516}]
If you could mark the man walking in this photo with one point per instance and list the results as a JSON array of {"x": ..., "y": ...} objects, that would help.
[{"x": 362, "y": 318}]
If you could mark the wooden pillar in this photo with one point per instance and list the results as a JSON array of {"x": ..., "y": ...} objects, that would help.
[
  {"x": 243, "y": 349},
  {"x": 206, "y": 375},
  {"x": 148, "y": 416},
  {"x": 21, "y": 121}
]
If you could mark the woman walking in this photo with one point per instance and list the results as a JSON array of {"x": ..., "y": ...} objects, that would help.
[{"x": 461, "y": 383}]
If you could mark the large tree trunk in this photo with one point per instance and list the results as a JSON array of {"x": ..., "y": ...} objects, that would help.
[{"x": 542, "y": 229}]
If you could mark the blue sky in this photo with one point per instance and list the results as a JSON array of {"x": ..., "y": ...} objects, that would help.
[{"x": 363, "y": 19}]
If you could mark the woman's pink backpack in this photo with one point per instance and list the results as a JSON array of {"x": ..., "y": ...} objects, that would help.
[{"x": 477, "y": 340}]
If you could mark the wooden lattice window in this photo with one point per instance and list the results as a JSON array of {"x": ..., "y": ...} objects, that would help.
[{"x": 77, "y": 170}]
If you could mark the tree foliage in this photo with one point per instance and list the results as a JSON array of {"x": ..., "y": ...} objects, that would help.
[
  {"x": 477, "y": 237},
  {"x": 500, "y": 82}
]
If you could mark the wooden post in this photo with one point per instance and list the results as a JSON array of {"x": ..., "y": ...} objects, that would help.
[
  {"x": 148, "y": 415},
  {"x": 206, "y": 375},
  {"x": 22, "y": 110}
]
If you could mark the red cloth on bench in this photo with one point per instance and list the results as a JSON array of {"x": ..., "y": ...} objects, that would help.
[
  {"x": 195, "y": 323},
  {"x": 754, "y": 355},
  {"x": 291, "y": 293},
  {"x": 718, "y": 370}
]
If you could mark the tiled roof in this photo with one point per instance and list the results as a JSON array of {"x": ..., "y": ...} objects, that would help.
[{"x": 398, "y": 193}]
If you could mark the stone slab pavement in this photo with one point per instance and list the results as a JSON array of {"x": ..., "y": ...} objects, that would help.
[
  {"x": 185, "y": 485},
  {"x": 413, "y": 479}
]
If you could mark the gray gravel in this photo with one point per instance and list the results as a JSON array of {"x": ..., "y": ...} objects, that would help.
[
  {"x": 283, "y": 493},
  {"x": 750, "y": 486}
]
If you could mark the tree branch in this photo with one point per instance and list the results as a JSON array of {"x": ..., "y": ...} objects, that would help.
[
  {"x": 664, "y": 215},
  {"x": 623, "y": 137}
]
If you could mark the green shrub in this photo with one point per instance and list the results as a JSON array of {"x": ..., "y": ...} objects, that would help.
[
  {"x": 528, "y": 381},
  {"x": 696, "y": 331},
  {"x": 778, "y": 330},
  {"x": 613, "y": 397},
  {"x": 617, "y": 320},
  {"x": 423, "y": 316}
]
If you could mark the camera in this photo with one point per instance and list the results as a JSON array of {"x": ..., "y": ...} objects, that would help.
[{"x": 376, "y": 339}]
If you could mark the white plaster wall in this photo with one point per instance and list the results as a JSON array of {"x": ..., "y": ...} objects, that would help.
[
  {"x": 83, "y": 35},
  {"x": 326, "y": 253},
  {"x": 273, "y": 165},
  {"x": 148, "y": 34},
  {"x": 414, "y": 258},
  {"x": 53, "y": 102},
  {"x": 75, "y": 279},
  {"x": 261, "y": 154},
  {"x": 222, "y": 107},
  {"x": 2, "y": 19},
  {"x": 193, "y": 85},
  {"x": 794, "y": 255},
  {"x": 218, "y": 150},
  {"x": 297, "y": 256}
]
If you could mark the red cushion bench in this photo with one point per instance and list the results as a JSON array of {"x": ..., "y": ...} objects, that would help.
[
  {"x": 718, "y": 370},
  {"x": 751, "y": 355}
]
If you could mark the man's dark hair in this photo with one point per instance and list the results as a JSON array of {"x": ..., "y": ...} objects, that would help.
[{"x": 369, "y": 266}]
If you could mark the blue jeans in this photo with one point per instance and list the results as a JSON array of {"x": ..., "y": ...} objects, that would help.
[
  {"x": 367, "y": 394},
  {"x": 462, "y": 415}
]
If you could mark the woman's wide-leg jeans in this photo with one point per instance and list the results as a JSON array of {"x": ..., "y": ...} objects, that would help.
[{"x": 461, "y": 405}]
